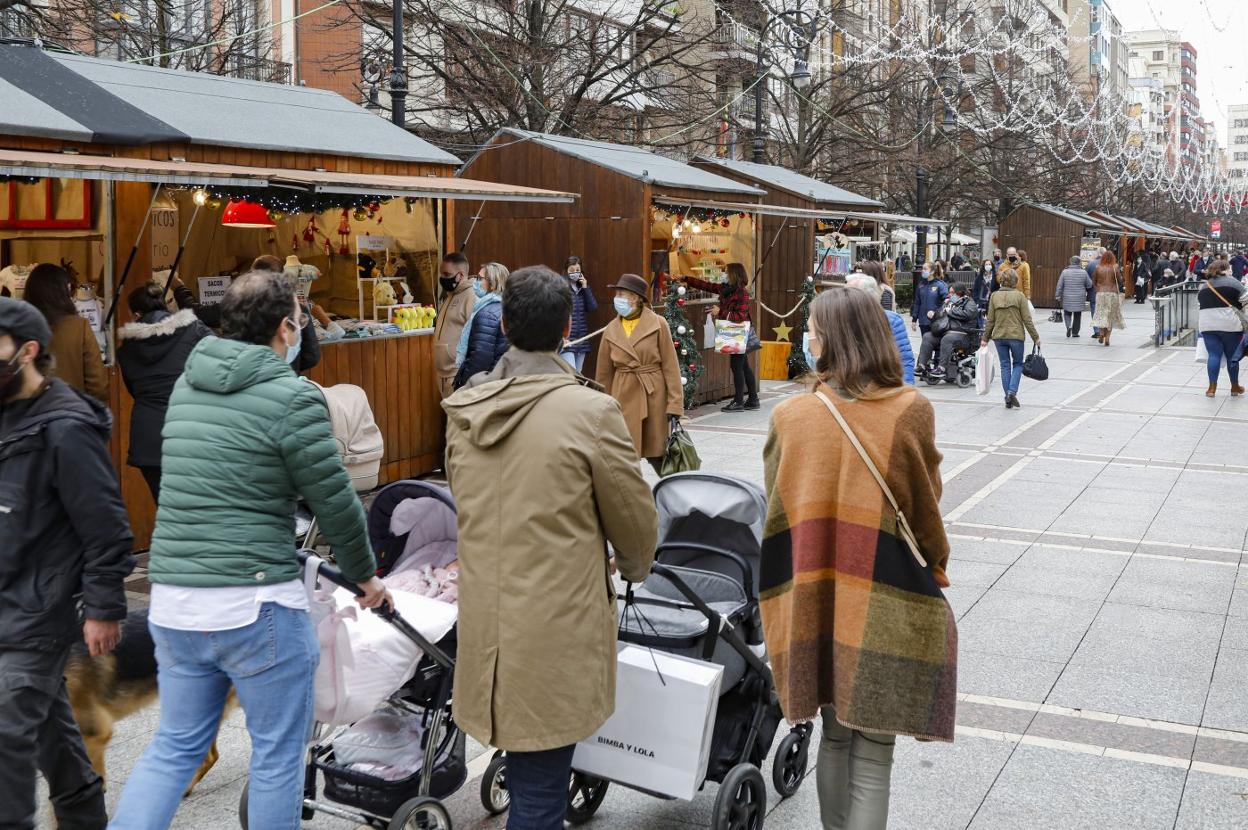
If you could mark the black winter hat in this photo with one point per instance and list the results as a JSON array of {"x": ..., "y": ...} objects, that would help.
[{"x": 23, "y": 322}]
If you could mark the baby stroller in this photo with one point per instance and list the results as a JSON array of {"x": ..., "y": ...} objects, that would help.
[
  {"x": 410, "y": 523},
  {"x": 701, "y": 601},
  {"x": 961, "y": 369}
]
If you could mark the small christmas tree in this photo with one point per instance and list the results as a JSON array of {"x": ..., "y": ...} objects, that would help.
[
  {"x": 688, "y": 353},
  {"x": 797, "y": 360}
]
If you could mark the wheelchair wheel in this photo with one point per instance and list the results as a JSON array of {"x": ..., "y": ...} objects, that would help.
[
  {"x": 965, "y": 378},
  {"x": 585, "y": 795},
  {"x": 741, "y": 803},
  {"x": 788, "y": 768},
  {"x": 933, "y": 380},
  {"x": 423, "y": 813},
  {"x": 494, "y": 796}
]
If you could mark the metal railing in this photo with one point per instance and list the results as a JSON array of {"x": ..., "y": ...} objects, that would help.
[
  {"x": 733, "y": 37},
  {"x": 1175, "y": 311}
]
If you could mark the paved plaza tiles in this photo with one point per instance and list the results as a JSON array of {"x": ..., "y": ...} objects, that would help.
[{"x": 1101, "y": 588}]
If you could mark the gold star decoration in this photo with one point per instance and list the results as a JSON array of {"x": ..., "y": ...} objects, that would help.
[{"x": 782, "y": 331}]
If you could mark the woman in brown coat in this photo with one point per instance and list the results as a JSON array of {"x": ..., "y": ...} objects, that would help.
[
  {"x": 637, "y": 366},
  {"x": 75, "y": 351}
]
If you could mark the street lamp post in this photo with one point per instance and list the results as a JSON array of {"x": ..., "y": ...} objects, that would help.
[
  {"x": 799, "y": 25},
  {"x": 920, "y": 237},
  {"x": 398, "y": 74}
]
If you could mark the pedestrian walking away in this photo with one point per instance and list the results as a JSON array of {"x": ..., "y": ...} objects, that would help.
[
  {"x": 482, "y": 341},
  {"x": 734, "y": 306},
  {"x": 457, "y": 302},
  {"x": 244, "y": 437},
  {"x": 1009, "y": 321},
  {"x": 66, "y": 539},
  {"x": 905, "y": 351},
  {"x": 153, "y": 351},
  {"x": 537, "y": 609},
  {"x": 1107, "y": 315},
  {"x": 929, "y": 296},
  {"x": 637, "y": 366},
  {"x": 1223, "y": 304},
  {"x": 859, "y": 455},
  {"x": 1073, "y": 285},
  {"x": 75, "y": 352},
  {"x": 584, "y": 303}
]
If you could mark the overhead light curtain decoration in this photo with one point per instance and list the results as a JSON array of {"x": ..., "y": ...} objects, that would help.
[{"x": 681, "y": 214}]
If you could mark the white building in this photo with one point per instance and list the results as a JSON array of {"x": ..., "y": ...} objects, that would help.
[{"x": 1237, "y": 143}]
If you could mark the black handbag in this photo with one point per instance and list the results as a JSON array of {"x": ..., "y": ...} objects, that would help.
[
  {"x": 1034, "y": 365},
  {"x": 752, "y": 343},
  {"x": 940, "y": 324}
]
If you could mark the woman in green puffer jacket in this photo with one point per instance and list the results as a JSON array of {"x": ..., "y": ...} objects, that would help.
[{"x": 244, "y": 438}]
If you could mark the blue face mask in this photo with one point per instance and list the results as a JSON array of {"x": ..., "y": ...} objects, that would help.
[
  {"x": 623, "y": 307},
  {"x": 292, "y": 352},
  {"x": 478, "y": 289},
  {"x": 810, "y": 358}
]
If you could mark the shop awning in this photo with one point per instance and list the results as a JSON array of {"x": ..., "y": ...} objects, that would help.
[
  {"x": 903, "y": 235},
  {"x": 802, "y": 213},
  {"x": 962, "y": 239},
  {"x": 188, "y": 174}
]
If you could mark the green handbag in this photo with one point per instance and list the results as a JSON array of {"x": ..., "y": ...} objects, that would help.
[{"x": 681, "y": 456}]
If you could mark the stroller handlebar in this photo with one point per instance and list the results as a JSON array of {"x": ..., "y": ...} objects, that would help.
[{"x": 329, "y": 572}]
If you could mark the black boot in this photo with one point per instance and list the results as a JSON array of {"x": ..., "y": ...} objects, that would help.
[{"x": 735, "y": 406}]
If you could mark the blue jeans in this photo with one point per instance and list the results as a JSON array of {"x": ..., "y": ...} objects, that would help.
[
  {"x": 1010, "y": 353},
  {"x": 270, "y": 664},
  {"x": 1223, "y": 344},
  {"x": 538, "y": 785},
  {"x": 575, "y": 359}
]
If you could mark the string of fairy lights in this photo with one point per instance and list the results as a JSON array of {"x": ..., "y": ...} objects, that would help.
[{"x": 972, "y": 59}]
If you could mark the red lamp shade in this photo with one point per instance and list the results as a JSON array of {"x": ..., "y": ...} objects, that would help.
[{"x": 243, "y": 214}]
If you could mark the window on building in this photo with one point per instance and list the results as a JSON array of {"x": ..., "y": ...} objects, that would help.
[{"x": 1159, "y": 55}]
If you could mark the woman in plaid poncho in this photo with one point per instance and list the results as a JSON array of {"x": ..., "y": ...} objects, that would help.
[{"x": 855, "y": 622}]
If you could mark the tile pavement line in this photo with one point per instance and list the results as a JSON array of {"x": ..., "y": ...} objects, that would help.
[
  {"x": 988, "y": 489},
  {"x": 1091, "y": 537}
]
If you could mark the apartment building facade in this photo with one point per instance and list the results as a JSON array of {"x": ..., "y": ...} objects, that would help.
[
  {"x": 1167, "y": 58},
  {"x": 1237, "y": 144}
]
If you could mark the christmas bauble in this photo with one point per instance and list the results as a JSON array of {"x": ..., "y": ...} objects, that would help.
[
  {"x": 683, "y": 381},
  {"x": 680, "y": 302},
  {"x": 680, "y": 291},
  {"x": 684, "y": 352},
  {"x": 360, "y": 214},
  {"x": 693, "y": 366},
  {"x": 681, "y": 329}
]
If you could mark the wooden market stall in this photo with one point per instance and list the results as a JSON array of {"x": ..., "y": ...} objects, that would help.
[
  {"x": 129, "y": 170},
  {"x": 637, "y": 214},
  {"x": 1050, "y": 235}
]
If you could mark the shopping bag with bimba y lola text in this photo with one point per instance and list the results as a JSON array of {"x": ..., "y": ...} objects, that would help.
[
  {"x": 659, "y": 738},
  {"x": 986, "y": 365},
  {"x": 731, "y": 338}
]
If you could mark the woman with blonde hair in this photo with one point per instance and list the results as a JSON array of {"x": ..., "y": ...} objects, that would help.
[
  {"x": 1106, "y": 282},
  {"x": 482, "y": 342},
  {"x": 1009, "y": 320},
  {"x": 858, "y": 455}
]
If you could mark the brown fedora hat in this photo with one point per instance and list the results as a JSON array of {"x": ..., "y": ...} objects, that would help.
[{"x": 633, "y": 283}]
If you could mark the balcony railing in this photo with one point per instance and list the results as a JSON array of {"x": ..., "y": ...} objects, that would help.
[
  {"x": 263, "y": 69},
  {"x": 735, "y": 40}
]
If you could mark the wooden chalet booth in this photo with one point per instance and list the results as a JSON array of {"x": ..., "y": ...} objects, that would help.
[
  {"x": 1051, "y": 235},
  {"x": 129, "y": 173},
  {"x": 639, "y": 213}
]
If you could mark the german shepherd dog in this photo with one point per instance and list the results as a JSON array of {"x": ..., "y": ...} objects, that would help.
[{"x": 104, "y": 690}]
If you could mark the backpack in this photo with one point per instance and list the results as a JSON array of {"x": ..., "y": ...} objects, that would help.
[{"x": 360, "y": 444}]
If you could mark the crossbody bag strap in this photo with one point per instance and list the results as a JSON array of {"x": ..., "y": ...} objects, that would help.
[
  {"x": 903, "y": 526},
  {"x": 1239, "y": 312}
]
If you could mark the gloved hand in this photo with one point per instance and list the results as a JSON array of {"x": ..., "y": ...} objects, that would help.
[{"x": 673, "y": 421}]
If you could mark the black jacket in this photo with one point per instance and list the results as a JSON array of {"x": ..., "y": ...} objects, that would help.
[
  {"x": 486, "y": 343},
  {"x": 964, "y": 315},
  {"x": 62, "y": 521},
  {"x": 152, "y": 354},
  {"x": 583, "y": 304}
]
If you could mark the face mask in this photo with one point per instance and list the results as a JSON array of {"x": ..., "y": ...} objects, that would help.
[
  {"x": 1013, "y": 259},
  {"x": 10, "y": 371},
  {"x": 624, "y": 307},
  {"x": 448, "y": 283},
  {"x": 478, "y": 289},
  {"x": 811, "y": 360},
  {"x": 292, "y": 352},
  {"x": 927, "y": 275}
]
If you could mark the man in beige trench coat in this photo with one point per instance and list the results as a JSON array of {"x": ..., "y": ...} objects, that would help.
[
  {"x": 544, "y": 472},
  {"x": 457, "y": 303}
]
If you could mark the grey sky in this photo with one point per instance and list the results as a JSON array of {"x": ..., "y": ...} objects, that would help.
[{"x": 1217, "y": 28}]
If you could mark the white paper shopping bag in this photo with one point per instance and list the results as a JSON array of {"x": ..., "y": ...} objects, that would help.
[{"x": 659, "y": 739}]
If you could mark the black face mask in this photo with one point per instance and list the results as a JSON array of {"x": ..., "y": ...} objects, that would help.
[
  {"x": 1013, "y": 259},
  {"x": 448, "y": 283}
]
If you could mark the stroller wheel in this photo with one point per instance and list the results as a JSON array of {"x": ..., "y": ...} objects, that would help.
[
  {"x": 422, "y": 813},
  {"x": 585, "y": 795},
  {"x": 789, "y": 766},
  {"x": 965, "y": 379},
  {"x": 741, "y": 803},
  {"x": 494, "y": 796},
  {"x": 242, "y": 806}
]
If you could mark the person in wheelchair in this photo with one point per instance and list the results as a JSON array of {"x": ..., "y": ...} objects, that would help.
[{"x": 953, "y": 326}]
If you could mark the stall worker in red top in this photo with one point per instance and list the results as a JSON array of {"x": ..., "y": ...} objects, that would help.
[{"x": 734, "y": 306}]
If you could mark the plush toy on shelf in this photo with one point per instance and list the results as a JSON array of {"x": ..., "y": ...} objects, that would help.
[{"x": 383, "y": 294}]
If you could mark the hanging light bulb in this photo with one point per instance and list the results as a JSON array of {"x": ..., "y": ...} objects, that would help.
[
  {"x": 200, "y": 197},
  {"x": 675, "y": 231},
  {"x": 697, "y": 228}
]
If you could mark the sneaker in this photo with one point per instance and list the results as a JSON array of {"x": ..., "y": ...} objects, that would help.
[
  {"x": 735, "y": 406},
  {"x": 938, "y": 372},
  {"x": 753, "y": 405}
]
